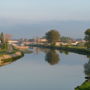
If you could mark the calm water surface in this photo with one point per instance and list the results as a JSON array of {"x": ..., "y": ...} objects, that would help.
[{"x": 44, "y": 70}]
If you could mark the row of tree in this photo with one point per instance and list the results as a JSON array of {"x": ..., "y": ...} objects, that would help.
[{"x": 53, "y": 36}]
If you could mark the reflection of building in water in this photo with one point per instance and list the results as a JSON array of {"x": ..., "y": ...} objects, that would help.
[{"x": 37, "y": 50}]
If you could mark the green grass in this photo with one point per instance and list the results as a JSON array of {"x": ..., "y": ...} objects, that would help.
[
  {"x": 13, "y": 58},
  {"x": 84, "y": 86}
]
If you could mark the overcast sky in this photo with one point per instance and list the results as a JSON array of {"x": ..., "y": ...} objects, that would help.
[{"x": 17, "y": 12}]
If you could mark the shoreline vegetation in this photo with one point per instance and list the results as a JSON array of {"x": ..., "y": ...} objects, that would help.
[
  {"x": 9, "y": 58},
  {"x": 53, "y": 38},
  {"x": 11, "y": 51},
  {"x": 9, "y": 54},
  {"x": 84, "y": 86},
  {"x": 74, "y": 49},
  {"x": 23, "y": 49}
]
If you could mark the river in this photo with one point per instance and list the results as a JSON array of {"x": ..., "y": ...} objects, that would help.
[{"x": 44, "y": 69}]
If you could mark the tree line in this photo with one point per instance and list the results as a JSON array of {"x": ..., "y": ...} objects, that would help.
[{"x": 54, "y": 36}]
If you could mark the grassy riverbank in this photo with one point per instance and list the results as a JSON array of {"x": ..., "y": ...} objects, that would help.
[
  {"x": 84, "y": 86},
  {"x": 75, "y": 49},
  {"x": 9, "y": 54},
  {"x": 9, "y": 58}
]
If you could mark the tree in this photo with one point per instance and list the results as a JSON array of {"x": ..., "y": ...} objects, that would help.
[
  {"x": 87, "y": 38},
  {"x": 2, "y": 38},
  {"x": 52, "y": 36},
  {"x": 66, "y": 39}
]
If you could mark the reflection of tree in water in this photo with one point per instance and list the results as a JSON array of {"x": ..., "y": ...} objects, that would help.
[
  {"x": 52, "y": 57},
  {"x": 87, "y": 68},
  {"x": 86, "y": 84}
]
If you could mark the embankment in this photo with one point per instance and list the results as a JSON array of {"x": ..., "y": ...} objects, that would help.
[
  {"x": 8, "y": 58},
  {"x": 79, "y": 50}
]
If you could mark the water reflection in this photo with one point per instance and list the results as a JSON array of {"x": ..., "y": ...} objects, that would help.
[
  {"x": 87, "y": 69},
  {"x": 52, "y": 57},
  {"x": 64, "y": 76},
  {"x": 65, "y": 52},
  {"x": 86, "y": 84}
]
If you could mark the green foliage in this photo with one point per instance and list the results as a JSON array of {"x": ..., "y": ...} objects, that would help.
[
  {"x": 87, "y": 44},
  {"x": 87, "y": 68},
  {"x": 75, "y": 49},
  {"x": 52, "y": 36},
  {"x": 87, "y": 32},
  {"x": 13, "y": 58},
  {"x": 81, "y": 44},
  {"x": 84, "y": 86},
  {"x": 66, "y": 39},
  {"x": 2, "y": 38},
  {"x": 87, "y": 38},
  {"x": 4, "y": 44}
]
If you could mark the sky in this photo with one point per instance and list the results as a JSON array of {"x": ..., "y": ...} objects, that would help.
[{"x": 27, "y": 13}]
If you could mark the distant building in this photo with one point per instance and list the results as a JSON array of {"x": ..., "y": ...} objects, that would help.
[
  {"x": 27, "y": 43},
  {"x": 13, "y": 41},
  {"x": 58, "y": 43},
  {"x": 74, "y": 43},
  {"x": 41, "y": 40}
]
